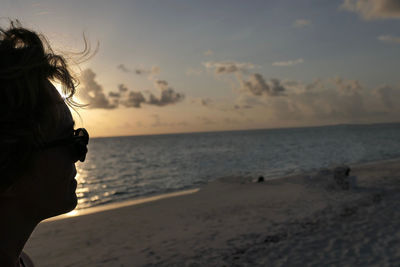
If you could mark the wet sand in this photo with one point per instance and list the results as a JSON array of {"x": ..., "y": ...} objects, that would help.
[{"x": 301, "y": 220}]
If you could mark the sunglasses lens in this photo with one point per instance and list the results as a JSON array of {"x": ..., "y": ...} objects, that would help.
[
  {"x": 80, "y": 151},
  {"x": 83, "y": 153},
  {"x": 81, "y": 144}
]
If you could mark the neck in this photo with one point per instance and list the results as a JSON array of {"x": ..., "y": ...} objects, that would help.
[{"x": 14, "y": 232}]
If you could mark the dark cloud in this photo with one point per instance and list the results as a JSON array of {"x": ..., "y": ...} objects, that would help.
[
  {"x": 122, "y": 88},
  {"x": 114, "y": 94},
  {"x": 237, "y": 107},
  {"x": 123, "y": 68},
  {"x": 374, "y": 9},
  {"x": 140, "y": 71},
  {"x": 257, "y": 85},
  {"x": 162, "y": 84},
  {"x": 227, "y": 67},
  {"x": 168, "y": 95},
  {"x": 149, "y": 72},
  {"x": 92, "y": 93},
  {"x": 134, "y": 99},
  {"x": 334, "y": 100}
]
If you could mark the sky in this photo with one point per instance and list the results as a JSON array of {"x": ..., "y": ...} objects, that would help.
[{"x": 173, "y": 66}]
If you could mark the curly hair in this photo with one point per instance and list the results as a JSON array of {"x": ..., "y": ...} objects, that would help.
[{"x": 27, "y": 109}]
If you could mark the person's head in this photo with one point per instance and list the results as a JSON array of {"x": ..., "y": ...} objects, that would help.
[{"x": 37, "y": 170}]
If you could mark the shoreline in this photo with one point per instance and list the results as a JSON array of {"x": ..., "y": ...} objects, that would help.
[
  {"x": 121, "y": 204},
  {"x": 156, "y": 197},
  {"x": 293, "y": 220}
]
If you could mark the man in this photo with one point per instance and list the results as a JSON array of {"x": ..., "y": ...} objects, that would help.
[{"x": 38, "y": 144}]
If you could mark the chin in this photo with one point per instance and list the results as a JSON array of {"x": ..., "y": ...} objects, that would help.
[
  {"x": 72, "y": 204},
  {"x": 67, "y": 206}
]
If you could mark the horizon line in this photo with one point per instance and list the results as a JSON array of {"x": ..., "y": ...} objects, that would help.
[{"x": 248, "y": 129}]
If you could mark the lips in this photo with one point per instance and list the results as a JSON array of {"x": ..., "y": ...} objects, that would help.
[{"x": 74, "y": 184}]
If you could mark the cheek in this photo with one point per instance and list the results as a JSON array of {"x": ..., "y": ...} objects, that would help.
[{"x": 55, "y": 169}]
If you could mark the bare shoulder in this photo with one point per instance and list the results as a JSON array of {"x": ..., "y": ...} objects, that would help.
[{"x": 27, "y": 260}]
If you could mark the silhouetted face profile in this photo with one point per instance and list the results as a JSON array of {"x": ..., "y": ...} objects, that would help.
[
  {"x": 49, "y": 186},
  {"x": 38, "y": 143}
]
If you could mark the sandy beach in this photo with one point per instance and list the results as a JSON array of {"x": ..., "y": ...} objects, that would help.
[{"x": 293, "y": 221}]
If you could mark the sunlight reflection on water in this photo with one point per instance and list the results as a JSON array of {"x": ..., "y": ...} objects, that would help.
[{"x": 147, "y": 165}]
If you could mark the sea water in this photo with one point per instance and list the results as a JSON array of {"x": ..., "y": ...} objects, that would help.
[{"x": 122, "y": 168}]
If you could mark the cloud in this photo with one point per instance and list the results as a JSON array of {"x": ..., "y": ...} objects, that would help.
[
  {"x": 389, "y": 96},
  {"x": 92, "y": 93},
  {"x": 114, "y": 94},
  {"x": 154, "y": 70},
  {"x": 288, "y": 63},
  {"x": 227, "y": 67},
  {"x": 209, "y": 52},
  {"x": 205, "y": 102},
  {"x": 257, "y": 85},
  {"x": 300, "y": 23},
  {"x": 335, "y": 100},
  {"x": 122, "y": 88},
  {"x": 134, "y": 99},
  {"x": 237, "y": 107},
  {"x": 389, "y": 39},
  {"x": 373, "y": 9},
  {"x": 149, "y": 72},
  {"x": 347, "y": 87},
  {"x": 168, "y": 95},
  {"x": 123, "y": 68}
]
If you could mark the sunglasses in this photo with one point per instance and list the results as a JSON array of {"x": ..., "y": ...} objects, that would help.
[{"x": 79, "y": 141}]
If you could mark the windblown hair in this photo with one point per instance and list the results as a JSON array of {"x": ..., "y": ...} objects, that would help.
[{"x": 27, "y": 108}]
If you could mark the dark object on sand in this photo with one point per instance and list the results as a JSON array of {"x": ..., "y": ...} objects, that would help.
[
  {"x": 377, "y": 198},
  {"x": 260, "y": 179},
  {"x": 341, "y": 176}
]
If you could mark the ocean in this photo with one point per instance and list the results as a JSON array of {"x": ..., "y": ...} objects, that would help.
[{"x": 124, "y": 168}]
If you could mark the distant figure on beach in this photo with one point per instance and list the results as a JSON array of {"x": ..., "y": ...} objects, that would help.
[
  {"x": 342, "y": 178},
  {"x": 38, "y": 144}
]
